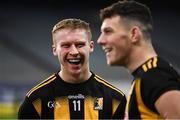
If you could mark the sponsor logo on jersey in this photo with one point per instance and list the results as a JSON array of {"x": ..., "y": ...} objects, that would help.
[{"x": 78, "y": 96}]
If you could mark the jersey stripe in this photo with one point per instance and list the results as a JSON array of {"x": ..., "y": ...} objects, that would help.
[
  {"x": 99, "y": 79},
  {"x": 149, "y": 64},
  {"x": 115, "y": 104},
  {"x": 38, "y": 105},
  {"x": 155, "y": 62},
  {"x": 90, "y": 112},
  {"x": 152, "y": 63},
  {"x": 61, "y": 110},
  {"x": 40, "y": 85},
  {"x": 145, "y": 68},
  {"x": 128, "y": 100},
  {"x": 145, "y": 113}
]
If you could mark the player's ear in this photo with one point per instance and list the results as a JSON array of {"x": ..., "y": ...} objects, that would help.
[
  {"x": 91, "y": 45},
  {"x": 135, "y": 33},
  {"x": 54, "y": 50}
]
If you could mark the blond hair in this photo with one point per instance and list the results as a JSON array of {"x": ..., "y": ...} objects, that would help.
[{"x": 73, "y": 24}]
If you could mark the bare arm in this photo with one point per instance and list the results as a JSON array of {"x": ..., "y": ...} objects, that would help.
[{"x": 168, "y": 104}]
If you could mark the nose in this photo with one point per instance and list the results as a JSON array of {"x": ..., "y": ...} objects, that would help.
[
  {"x": 101, "y": 40},
  {"x": 74, "y": 50}
]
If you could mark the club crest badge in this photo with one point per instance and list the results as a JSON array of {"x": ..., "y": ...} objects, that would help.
[{"x": 98, "y": 103}]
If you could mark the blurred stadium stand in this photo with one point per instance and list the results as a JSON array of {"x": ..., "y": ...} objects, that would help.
[{"x": 25, "y": 43}]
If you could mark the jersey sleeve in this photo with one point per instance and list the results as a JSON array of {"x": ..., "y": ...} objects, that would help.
[
  {"x": 156, "y": 82},
  {"x": 27, "y": 110},
  {"x": 119, "y": 113}
]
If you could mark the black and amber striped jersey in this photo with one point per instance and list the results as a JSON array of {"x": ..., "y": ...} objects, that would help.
[
  {"x": 152, "y": 79},
  {"x": 55, "y": 99}
]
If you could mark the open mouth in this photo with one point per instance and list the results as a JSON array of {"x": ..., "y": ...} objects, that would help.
[
  {"x": 107, "y": 50},
  {"x": 74, "y": 61}
]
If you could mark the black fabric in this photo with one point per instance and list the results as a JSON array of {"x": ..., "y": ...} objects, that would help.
[
  {"x": 27, "y": 110},
  {"x": 154, "y": 81},
  {"x": 76, "y": 94}
]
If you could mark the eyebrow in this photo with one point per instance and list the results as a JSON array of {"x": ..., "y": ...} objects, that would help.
[{"x": 106, "y": 29}]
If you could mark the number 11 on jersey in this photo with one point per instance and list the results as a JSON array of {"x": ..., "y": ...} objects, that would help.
[{"x": 77, "y": 105}]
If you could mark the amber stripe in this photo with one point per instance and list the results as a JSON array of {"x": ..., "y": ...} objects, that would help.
[
  {"x": 90, "y": 113},
  {"x": 61, "y": 109}
]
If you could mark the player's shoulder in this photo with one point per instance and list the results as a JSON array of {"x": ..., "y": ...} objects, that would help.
[
  {"x": 107, "y": 85},
  {"x": 157, "y": 67},
  {"x": 42, "y": 88}
]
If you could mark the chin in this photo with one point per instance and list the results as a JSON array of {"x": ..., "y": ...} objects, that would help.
[
  {"x": 110, "y": 63},
  {"x": 76, "y": 71},
  {"x": 113, "y": 63}
]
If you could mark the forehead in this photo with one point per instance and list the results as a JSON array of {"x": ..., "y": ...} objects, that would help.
[
  {"x": 112, "y": 22},
  {"x": 71, "y": 34}
]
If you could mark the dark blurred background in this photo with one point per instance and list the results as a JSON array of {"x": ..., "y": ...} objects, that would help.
[{"x": 25, "y": 43}]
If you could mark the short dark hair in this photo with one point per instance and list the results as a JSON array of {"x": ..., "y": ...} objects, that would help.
[{"x": 130, "y": 10}]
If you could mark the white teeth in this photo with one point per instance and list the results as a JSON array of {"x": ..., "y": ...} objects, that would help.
[
  {"x": 106, "y": 50},
  {"x": 74, "y": 60}
]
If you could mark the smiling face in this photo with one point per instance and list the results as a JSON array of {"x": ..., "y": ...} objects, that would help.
[
  {"x": 73, "y": 48},
  {"x": 115, "y": 41}
]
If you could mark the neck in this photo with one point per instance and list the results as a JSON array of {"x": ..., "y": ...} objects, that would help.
[
  {"x": 140, "y": 56},
  {"x": 75, "y": 78}
]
